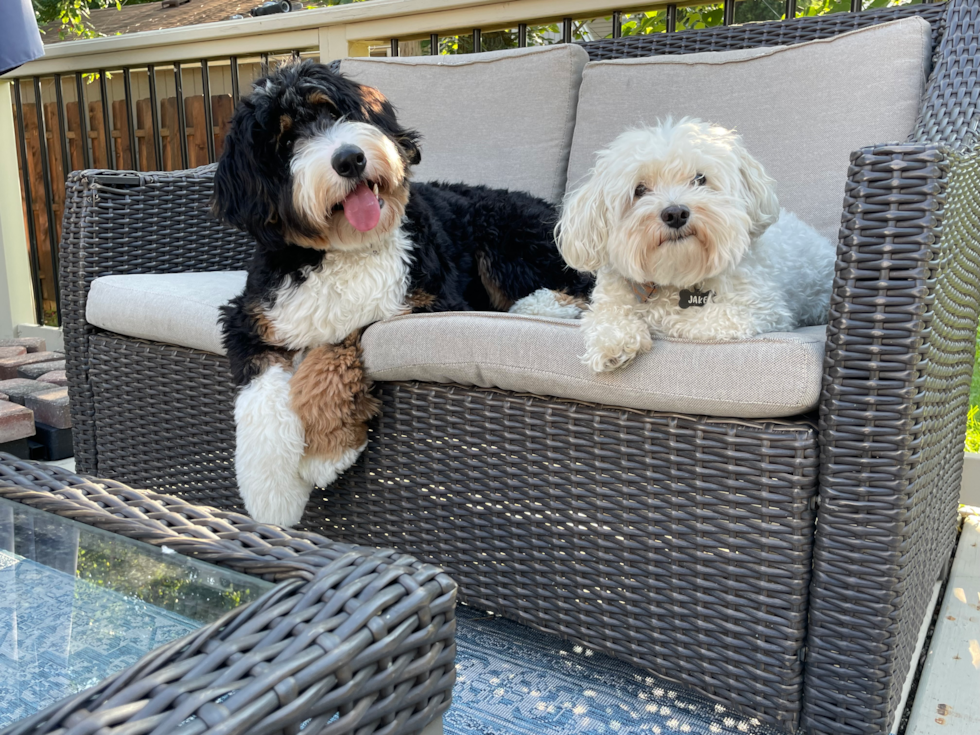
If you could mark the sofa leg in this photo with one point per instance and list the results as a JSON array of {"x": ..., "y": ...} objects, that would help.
[{"x": 433, "y": 728}]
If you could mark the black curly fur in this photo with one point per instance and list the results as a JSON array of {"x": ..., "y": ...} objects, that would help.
[{"x": 456, "y": 230}]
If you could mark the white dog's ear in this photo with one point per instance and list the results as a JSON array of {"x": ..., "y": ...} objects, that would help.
[
  {"x": 583, "y": 229},
  {"x": 761, "y": 190}
]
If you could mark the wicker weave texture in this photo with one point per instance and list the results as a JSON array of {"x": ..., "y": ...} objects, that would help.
[
  {"x": 950, "y": 111},
  {"x": 365, "y": 635},
  {"x": 680, "y": 544},
  {"x": 159, "y": 224},
  {"x": 164, "y": 418},
  {"x": 896, "y": 391},
  {"x": 896, "y": 394},
  {"x": 657, "y": 523}
]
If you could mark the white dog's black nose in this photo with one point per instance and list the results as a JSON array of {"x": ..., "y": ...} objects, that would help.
[
  {"x": 675, "y": 216},
  {"x": 349, "y": 161}
]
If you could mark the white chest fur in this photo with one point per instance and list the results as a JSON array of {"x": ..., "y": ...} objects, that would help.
[{"x": 347, "y": 291}]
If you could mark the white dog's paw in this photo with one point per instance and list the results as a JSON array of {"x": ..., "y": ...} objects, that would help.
[
  {"x": 545, "y": 302},
  {"x": 321, "y": 471},
  {"x": 269, "y": 445},
  {"x": 600, "y": 361},
  {"x": 281, "y": 502},
  {"x": 611, "y": 344}
]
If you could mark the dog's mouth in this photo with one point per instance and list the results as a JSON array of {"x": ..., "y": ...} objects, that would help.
[
  {"x": 362, "y": 207},
  {"x": 675, "y": 236}
]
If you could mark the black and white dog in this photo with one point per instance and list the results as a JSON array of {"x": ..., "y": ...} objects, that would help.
[{"x": 316, "y": 169}]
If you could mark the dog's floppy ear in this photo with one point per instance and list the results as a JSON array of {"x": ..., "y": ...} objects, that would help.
[
  {"x": 408, "y": 141},
  {"x": 761, "y": 191},
  {"x": 380, "y": 112},
  {"x": 583, "y": 228},
  {"x": 243, "y": 194}
]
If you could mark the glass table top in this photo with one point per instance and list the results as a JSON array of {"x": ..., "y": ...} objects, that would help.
[{"x": 78, "y": 604}]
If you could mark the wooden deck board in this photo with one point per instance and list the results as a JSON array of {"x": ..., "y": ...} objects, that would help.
[{"x": 948, "y": 698}]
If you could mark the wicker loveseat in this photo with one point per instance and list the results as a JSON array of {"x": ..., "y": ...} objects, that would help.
[{"x": 782, "y": 565}]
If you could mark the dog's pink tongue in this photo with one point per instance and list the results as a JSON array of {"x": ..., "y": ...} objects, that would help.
[{"x": 361, "y": 208}]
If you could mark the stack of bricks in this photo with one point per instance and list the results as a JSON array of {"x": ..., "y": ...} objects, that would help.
[{"x": 35, "y": 422}]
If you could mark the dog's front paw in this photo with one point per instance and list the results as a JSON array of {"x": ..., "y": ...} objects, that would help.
[
  {"x": 600, "y": 361},
  {"x": 282, "y": 504},
  {"x": 321, "y": 471},
  {"x": 548, "y": 303},
  {"x": 611, "y": 345}
]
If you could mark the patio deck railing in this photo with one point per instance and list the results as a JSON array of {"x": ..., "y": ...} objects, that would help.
[{"x": 162, "y": 100}]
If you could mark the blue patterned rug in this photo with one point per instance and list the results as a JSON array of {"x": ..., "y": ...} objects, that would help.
[
  {"x": 512, "y": 680},
  {"x": 59, "y": 635}
]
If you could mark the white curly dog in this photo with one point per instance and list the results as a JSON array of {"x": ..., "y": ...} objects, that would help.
[{"x": 684, "y": 232}]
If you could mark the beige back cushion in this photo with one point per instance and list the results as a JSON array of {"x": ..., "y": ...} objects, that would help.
[
  {"x": 800, "y": 109},
  {"x": 502, "y": 119}
]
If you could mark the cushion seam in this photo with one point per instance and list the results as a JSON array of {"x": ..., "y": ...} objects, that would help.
[
  {"x": 555, "y": 194},
  {"x": 760, "y": 339},
  {"x": 374, "y": 373}
]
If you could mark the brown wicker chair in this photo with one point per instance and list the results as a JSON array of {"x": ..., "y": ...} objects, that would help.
[{"x": 784, "y": 567}]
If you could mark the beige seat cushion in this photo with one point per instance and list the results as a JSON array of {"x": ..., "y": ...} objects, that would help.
[
  {"x": 174, "y": 308},
  {"x": 769, "y": 376},
  {"x": 502, "y": 118},
  {"x": 800, "y": 109}
]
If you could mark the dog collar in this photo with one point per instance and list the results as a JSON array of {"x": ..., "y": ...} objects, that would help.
[{"x": 643, "y": 291}]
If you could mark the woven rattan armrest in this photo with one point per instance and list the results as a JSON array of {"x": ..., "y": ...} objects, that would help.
[
  {"x": 896, "y": 391},
  {"x": 121, "y": 223},
  {"x": 364, "y": 635}
]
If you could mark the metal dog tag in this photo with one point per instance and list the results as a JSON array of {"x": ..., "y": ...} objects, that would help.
[{"x": 696, "y": 298}]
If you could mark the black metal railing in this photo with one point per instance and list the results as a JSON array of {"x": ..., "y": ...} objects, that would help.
[
  {"x": 174, "y": 116},
  {"x": 138, "y": 118}
]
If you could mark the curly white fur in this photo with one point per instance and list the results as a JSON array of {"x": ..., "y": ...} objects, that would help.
[
  {"x": 270, "y": 442},
  {"x": 545, "y": 302},
  {"x": 321, "y": 471},
  {"x": 347, "y": 291},
  {"x": 767, "y": 270}
]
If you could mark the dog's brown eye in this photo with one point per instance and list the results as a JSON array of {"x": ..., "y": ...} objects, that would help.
[
  {"x": 700, "y": 180},
  {"x": 639, "y": 191}
]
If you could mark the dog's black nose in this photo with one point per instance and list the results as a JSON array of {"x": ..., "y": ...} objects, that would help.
[
  {"x": 349, "y": 161},
  {"x": 675, "y": 216}
]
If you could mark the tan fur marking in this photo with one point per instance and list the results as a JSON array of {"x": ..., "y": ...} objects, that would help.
[
  {"x": 268, "y": 359},
  {"x": 373, "y": 99},
  {"x": 285, "y": 124},
  {"x": 333, "y": 399},
  {"x": 419, "y": 299},
  {"x": 498, "y": 298},
  {"x": 567, "y": 299},
  {"x": 263, "y": 326},
  {"x": 318, "y": 98}
]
